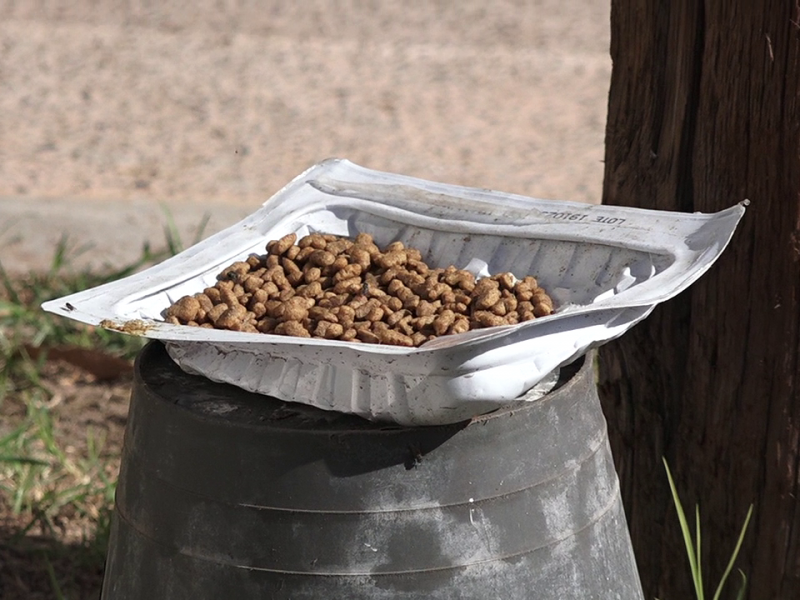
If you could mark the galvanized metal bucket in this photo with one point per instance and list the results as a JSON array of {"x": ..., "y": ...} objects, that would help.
[{"x": 227, "y": 494}]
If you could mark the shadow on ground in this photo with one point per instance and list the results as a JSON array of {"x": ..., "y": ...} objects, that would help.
[{"x": 42, "y": 567}]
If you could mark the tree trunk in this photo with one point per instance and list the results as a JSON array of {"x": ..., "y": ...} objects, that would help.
[{"x": 704, "y": 112}]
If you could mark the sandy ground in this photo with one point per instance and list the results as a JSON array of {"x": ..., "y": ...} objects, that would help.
[{"x": 111, "y": 111}]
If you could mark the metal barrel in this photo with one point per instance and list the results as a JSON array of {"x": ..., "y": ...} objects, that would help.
[{"x": 227, "y": 494}]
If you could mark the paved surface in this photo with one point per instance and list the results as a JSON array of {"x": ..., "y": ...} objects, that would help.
[{"x": 110, "y": 111}]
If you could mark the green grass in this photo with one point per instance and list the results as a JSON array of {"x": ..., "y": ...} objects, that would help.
[
  {"x": 51, "y": 485},
  {"x": 693, "y": 545}
]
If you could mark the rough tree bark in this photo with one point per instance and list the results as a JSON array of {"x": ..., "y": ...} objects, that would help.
[{"x": 704, "y": 112}]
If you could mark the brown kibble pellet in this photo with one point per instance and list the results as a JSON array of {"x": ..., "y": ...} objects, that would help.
[
  {"x": 410, "y": 278},
  {"x": 523, "y": 292},
  {"x": 302, "y": 256},
  {"x": 259, "y": 310},
  {"x": 448, "y": 297},
  {"x": 267, "y": 325},
  {"x": 394, "y": 285},
  {"x": 418, "y": 338},
  {"x": 459, "y": 326},
  {"x": 228, "y": 297},
  {"x": 318, "y": 313},
  {"x": 451, "y": 275},
  {"x": 280, "y": 246},
  {"x": 252, "y": 283},
  {"x": 185, "y": 309},
  {"x": 311, "y": 273},
  {"x": 292, "y": 252},
  {"x": 391, "y": 259},
  {"x": 484, "y": 285},
  {"x": 334, "y": 300},
  {"x": 328, "y": 330},
  {"x": 394, "y": 304},
  {"x": 541, "y": 297},
  {"x": 418, "y": 266},
  {"x": 362, "y": 308},
  {"x": 292, "y": 309},
  {"x": 426, "y": 308},
  {"x": 506, "y": 280},
  {"x": 542, "y": 310},
  {"x": 413, "y": 254},
  {"x": 215, "y": 312},
  {"x": 394, "y": 318},
  {"x": 280, "y": 280},
  {"x": 230, "y": 318},
  {"x": 311, "y": 290},
  {"x": 294, "y": 328},
  {"x": 271, "y": 289},
  {"x": 411, "y": 302},
  {"x": 339, "y": 246},
  {"x": 403, "y": 293},
  {"x": 487, "y": 298},
  {"x": 364, "y": 239},
  {"x": 272, "y": 261},
  {"x": 212, "y": 294},
  {"x": 359, "y": 256},
  {"x": 395, "y": 247},
  {"x": 348, "y": 286},
  {"x": 292, "y": 272},
  {"x": 258, "y": 296},
  {"x": 349, "y": 335},
  {"x": 272, "y": 307},
  {"x": 394, "y": 338},
  {"x": 349, "y": 271},
  {"x": 444, "y": 321},
  {"x": 375, "y": 292},
  {"x": 321, "y": 258},
  {"x": 375, "y": 314},
  {"x": 488, "y": 319},
  {"x": 524, "y": 306},
  {"x": 499, "y": 308},
  {"x": 344, "y": 312},
  {"x": 420, "y": 323},
  {"x": 338, "y": 264},
  {"x": 313, "y": 240},
  {"x": 365, "y": 335},
  {"x": 437, "y": 290}
]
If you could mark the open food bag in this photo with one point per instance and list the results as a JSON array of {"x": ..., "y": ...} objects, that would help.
[{"x": 604, "y": 269}]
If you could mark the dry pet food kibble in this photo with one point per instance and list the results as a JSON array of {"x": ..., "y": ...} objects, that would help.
[{"x": 336, "y": 288}]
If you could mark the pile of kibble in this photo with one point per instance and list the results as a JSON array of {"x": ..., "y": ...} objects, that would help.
[{"x": 336, "y": 288}]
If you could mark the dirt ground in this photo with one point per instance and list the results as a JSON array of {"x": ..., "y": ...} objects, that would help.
[
  {"x": 109, "y": 109},
  {"x": 112, "y": 113}
]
